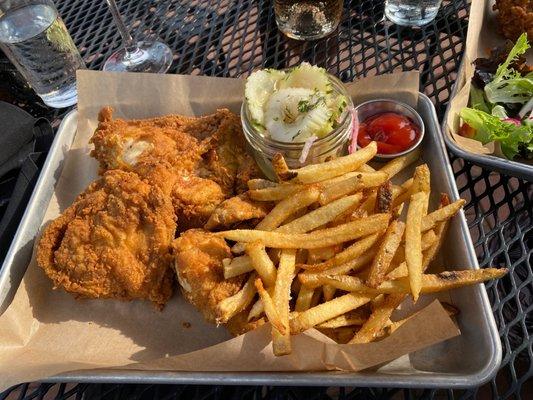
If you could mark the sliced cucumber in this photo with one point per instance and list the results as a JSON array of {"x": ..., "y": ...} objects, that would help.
[
  {"x": 307, "y": 76},
  {"x": 295, "y": 114},
  {"x": 258, "y": 88}
]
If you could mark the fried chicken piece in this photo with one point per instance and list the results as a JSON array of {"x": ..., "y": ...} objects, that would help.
[
  {"x": 198, "y": 262},
  {"x": 113, "y": 241},
  {"x": 236, "y": 210},
  {"x": 514, "y": 17},
  {"x": 207, "y": 154}
]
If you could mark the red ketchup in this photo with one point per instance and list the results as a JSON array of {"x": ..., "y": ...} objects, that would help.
[{"x": 392, "y": 132}]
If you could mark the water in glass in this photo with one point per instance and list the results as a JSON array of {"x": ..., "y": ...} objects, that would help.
[
  {"x": 411, "y": 12},
  {"x": 37, "y": 42},
  {"x": 307, "y": 20}
]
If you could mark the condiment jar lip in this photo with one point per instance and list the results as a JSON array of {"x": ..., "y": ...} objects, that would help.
[
  {"x": 346, "y": 116},
  {"x": 398, "y": 107}
]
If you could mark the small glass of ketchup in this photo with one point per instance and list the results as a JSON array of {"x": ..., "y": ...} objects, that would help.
[{"x": 396, "y": 127}]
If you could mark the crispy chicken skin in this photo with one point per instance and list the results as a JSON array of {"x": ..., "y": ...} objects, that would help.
[
  {"x": 514, "y": 17},
  {"x": 236, "y": 210},
  {"x": 207, "y": 155},
  {"x": 113, "y": 241},
  {"x": 198, "y": 262}
]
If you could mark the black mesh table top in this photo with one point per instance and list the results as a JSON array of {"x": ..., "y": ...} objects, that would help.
[{"x": 231, "y": 39}]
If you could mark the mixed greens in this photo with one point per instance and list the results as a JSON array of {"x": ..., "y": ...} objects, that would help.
[
  {"x": 501, "y": 102},
  {"x": 293, "y": 105}
]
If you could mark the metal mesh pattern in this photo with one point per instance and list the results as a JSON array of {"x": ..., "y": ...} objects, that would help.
[{"x": 232, "y": 38}]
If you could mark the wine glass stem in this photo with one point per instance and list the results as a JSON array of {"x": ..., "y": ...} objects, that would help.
[{"x": 129, "y": 44}]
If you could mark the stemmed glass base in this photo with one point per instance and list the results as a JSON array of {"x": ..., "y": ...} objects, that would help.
[{"x": 153, "y": 57}]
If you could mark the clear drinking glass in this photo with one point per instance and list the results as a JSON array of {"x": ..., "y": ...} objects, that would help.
[
  {"x": 411, "y": 12},
  {"x": 137, "y": 56},
  {"x": 307, "y": 20},
  {"x": 35, "y": 39}
]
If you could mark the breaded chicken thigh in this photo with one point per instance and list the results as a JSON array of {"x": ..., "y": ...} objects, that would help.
[{"x": 113, "y": 241}]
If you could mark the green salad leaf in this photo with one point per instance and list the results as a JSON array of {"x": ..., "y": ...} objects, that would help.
[
  {"x": 490, "y": 128},
  {"x": 508, "y": 86}
]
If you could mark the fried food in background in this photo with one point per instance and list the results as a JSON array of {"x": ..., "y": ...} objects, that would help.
[
  {"x": 113, "y": 241},
  {"x": 207, "y": 154},
  {"x": 514, "y": 17}
]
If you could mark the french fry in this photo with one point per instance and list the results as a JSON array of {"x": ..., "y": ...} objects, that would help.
[
  {"x": 428, "y": 239},
  {"x": 282, "y": 171},
  {"x": 236, "y": 266},
  {"x": 383, "y": 202},
  {"x": 366, "y": 168},
  {"x": 387, "y": 249},
  {"x": 231, "y": 306},
  {"x": 413, "y": 241},
  {"x": 275, "y": 193},
  {"x": 431, "y": 283},
  {"x": 328, "y": 292},
  {"x": 320, "y": 216},
  {"x": 398, "y": 164},
  {"x": 361, "y": 180},
  {"x": 287, "y": 207},
  {"x": 321, "y": 254},
  {"x": 281, "y": 343},
  {"x": 321, "y": 238},
  {"x": 378, "y": 319},
  {"x": 339, "y": 166},
  {"x": 261, "y": 262},
  {"x": 403, "y": 194},
  {"x": 326, "y": 311},
  {"x": 421, "y": 180},
  {"x": 305, "y": 296},
  {"x": 256, "y": 310},
  {"x": 255, "y": 184},
  {"x": 430, "y": 220},
  {"x": 349, "y": 254},
  {"x": 270, "y": 308},
  {"x": 350, "y": 318}
]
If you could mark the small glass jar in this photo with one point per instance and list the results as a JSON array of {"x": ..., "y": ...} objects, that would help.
[{"x": 332, "y": 145}]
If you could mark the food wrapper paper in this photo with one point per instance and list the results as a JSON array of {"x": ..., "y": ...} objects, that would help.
[
  {"x": 45, "y": 332},
  {"x": 482, "y": 36}
]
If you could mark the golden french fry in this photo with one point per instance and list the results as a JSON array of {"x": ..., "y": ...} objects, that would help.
[
  {"x": 320, "y": 216},
  {"x": 428, "y": 239},
  {"x": 305, "y": 296},
  {"x": 430, "y": 220},
  {"x": 440, "y": 233},
  {"x": 231, "y": 306},
  {"x": 287, "y": 207},
  {"x": 328, "y": 292},
  {"x": 256, "y": 310},
  {"x": 236, "y": 266},
  {"x": 275, "y": 193},
  {"x": 366, "y": 168},
  {"x": 378, "y": 319},
  {"x": 255, "y": 184},
  {"x": 398, "y": 164},
  {"x": 350, "y": 318},
  {"x": 270, "y": 308},
  {"x": 421, "y": 180},
  {"x": 413, "y": 240},
  {"x": 281, "y": 343},
  {"x": 339, "y": 166},
  {"x": 350, "y": 254},
  {"x": 321, "y": 254},
  {"x": 387, "y": 249},
  {"x": 261, "y": 262},
  {"x": 321, "y": 238},
  {"x": 431, "y": 283},
  {"x": 403, "y": 194},
  {"x": 383, "y": 202},
  {"x": 326, "y": 311},
  {"x": 361, "y": 180}
]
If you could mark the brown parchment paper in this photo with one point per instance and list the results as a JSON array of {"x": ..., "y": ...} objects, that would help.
[
  {"x": 481, "y": 37},
  {"x": 45, "y": 332}
]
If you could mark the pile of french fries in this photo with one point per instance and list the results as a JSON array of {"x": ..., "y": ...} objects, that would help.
[{"x": 334, "y": 254}]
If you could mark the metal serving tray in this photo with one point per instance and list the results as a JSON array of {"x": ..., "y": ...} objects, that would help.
[
  {"x": 507, "y": 167},
  {"x": 467, "y": 360}
]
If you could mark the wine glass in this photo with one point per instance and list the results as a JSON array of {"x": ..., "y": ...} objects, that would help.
[{"x": 141, "y": 56}]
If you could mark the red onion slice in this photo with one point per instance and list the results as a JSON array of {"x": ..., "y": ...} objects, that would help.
[
  {"x": 355, "y": 131},
  {"x": 307, "y": 147}
]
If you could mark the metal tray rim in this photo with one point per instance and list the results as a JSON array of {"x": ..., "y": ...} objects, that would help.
[{"x": 420, "y": 380}]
